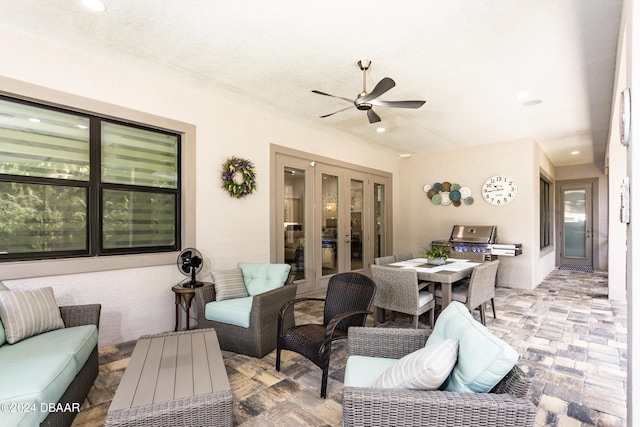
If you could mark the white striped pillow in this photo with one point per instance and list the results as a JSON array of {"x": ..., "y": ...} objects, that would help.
[
  {"x": 424, "y": 369},
  {"x": 229, "y": 284},
  {"x": 28, "y": 313}
]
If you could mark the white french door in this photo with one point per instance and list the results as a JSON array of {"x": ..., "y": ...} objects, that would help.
[{"x": 329, "y": 219}]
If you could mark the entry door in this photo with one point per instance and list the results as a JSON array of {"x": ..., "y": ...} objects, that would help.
[{"x": 576, "y": 224}]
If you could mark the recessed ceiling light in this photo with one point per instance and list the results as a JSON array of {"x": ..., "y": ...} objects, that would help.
[
  {"x": 95, "y": 5},
  {"x": 532, "y": 103},
  {"x": 34, "y": 120},
  {"x": 380, "y": 130},
  {"x": 575, "y": 152},
  {"x": 404, "y": 156},
  {"x": 522, "y": 95}
]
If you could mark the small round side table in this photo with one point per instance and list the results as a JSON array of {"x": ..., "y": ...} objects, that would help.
[{"x": 187, "y": 294}]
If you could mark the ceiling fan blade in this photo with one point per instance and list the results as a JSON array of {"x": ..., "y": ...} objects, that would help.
[
  {"x": 373, "y": 117},
  {"x": 382, "y": 86},
  {"x": 333, "y": 96},
  {"x": 397, "y": 104},
  {"x": 331, "y": 114}
]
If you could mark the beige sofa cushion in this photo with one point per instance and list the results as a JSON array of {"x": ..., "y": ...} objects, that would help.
[{"x": 28, "y": 313}]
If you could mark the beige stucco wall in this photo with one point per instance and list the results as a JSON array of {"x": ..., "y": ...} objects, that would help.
[
  {"x": 470, "y": 166},
  {"x": 138, "y": 301}
]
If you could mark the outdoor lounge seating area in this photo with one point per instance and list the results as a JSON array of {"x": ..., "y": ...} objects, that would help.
[
  {"x": 288, "y": 214},
  {"x": 572, "y": 344}
]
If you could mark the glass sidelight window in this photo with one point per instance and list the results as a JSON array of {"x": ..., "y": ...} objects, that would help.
[
  {"x": 329, "y": 249},
  {"x": 379, "y": 220},
  {"x": 356, "y": 224},
  {"x": 293, "y": 205}
]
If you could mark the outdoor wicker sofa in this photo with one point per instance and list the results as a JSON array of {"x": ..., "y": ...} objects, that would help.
[
  {"x": 505, "y": 405},
  {"x": 78, "y": 386}
]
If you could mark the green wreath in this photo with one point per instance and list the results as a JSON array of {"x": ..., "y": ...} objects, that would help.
[{"x": 236, "y": 188}]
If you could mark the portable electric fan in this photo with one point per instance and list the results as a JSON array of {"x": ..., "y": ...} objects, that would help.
[{"x": 190, "y": 264}]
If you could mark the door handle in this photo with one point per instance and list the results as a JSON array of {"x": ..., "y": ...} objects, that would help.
[{"x": 588, "y": 233}]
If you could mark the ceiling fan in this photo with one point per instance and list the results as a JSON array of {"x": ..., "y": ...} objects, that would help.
[{"x": 367, "y": 100}]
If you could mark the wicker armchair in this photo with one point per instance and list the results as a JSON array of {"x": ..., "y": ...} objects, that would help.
[
  {"x": 260, "y": 338},
  {"x": 382, "y": 260},
  {"x": 349, "y": 297},
  {"x": 477, "y": 290},
  {"x": 505, "y": 405},
  {"x": 403, "y": 257},
  {"x": 398, "y": 291}
]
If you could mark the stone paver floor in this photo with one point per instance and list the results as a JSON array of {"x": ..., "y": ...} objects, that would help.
[{"x": 571, "y": 338}]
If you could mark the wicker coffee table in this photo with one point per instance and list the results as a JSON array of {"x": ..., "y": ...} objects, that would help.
[{"x": 174, "y": 379}]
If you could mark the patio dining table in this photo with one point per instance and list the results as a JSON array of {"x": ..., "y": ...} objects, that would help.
[{"x": 446, "y": 274}]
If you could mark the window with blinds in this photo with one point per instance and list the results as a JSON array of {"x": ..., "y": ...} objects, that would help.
[
  {"x": 545, "y": 213},
  {"x": 73, "y": 184}
]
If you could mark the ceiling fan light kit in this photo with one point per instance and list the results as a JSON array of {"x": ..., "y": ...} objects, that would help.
[{"x": 365, "y": 101}]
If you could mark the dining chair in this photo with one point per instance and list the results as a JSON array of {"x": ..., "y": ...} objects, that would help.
[
  {"x": 480, "y": 288},
  {"x": 404, "y": 257},
  {"x": 382, "y": 260},
  {"x": 347, "y": 303},
  {"x": 397, "y": 290}
]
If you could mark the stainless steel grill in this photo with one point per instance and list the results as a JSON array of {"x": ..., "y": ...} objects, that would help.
[
  {"x": 472, "y": 241},
  {"x": 478, "y": 242}
]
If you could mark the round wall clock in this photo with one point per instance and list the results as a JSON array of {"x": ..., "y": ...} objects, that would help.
[{"x": 499, "y": 190}]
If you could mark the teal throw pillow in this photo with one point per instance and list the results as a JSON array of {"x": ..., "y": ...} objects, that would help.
[{"x": 483, "y": 358}]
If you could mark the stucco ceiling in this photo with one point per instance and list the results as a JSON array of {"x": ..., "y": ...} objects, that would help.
[{"x": 467, "y": 58}]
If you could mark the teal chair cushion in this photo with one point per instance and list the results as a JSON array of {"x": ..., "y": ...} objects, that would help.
[
  {"x": 3, "y": 337},
  {"x": 236, "y": 311},
  {"x": 483, "y": 358},
  {"x": 364, "y": 371},
  {"x": 263, "y": 277}
]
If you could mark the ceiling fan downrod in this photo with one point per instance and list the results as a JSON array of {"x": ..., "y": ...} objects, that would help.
[{"x": 364, "y": 65}]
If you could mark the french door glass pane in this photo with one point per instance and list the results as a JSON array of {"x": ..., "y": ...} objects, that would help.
[
  {"x": 139, "y": 156},
  {"x": 294, "y": 199},
  {"x": 42, "y": 218},
  {"x": 575, "y": 224},
  {"x": 134, "y": 219},
  {"x": 42, "y": 142},
  {"x": 379, "y": 217},
  {"x": 357, "y": 202},
  {"x": 329, "y": 249}
]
